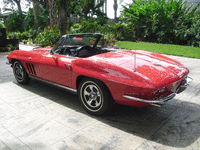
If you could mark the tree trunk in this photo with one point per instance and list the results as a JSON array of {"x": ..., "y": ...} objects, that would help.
[
  {"x": 63, "y": 17},
  {"x": 36, "y": 13},
  {"x": 18, "y": 5},
  {"x": 53, "y": 16}
]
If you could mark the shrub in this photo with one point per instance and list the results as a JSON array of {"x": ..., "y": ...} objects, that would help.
[
  {"x": 15, "y": 21},
  {"x": 120, "y": 31},
  {"x": 89, "y": 26},
  {"x": 1, "y": 25},
  {"x": 24, "y": 35},
  {"x": 48, "y": 37},
  {"x": 164, "y": 21},
  {"x": 29, "y": 19},
  {"x": 8, "y": 48},
  {"x": 112, "y": 31}
]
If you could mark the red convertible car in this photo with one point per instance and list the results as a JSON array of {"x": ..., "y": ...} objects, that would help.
[{"x": 100, "y": 76}]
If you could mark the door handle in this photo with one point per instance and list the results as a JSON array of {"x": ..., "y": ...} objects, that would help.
[{"x": 68, "y": 66}]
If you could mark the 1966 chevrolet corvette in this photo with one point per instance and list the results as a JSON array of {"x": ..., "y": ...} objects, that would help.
[{"x": 102, "y": 77}]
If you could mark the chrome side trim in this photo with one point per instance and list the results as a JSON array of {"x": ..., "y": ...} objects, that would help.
[
  {"x": 74, "y": 91},
  {"x": 151, "y": 101}
]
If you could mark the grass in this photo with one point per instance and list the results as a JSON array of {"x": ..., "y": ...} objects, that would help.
[{"x": 170, "y": 49}]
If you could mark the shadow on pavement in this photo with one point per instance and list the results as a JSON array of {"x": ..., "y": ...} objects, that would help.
[{"x": 175, "y": 124}]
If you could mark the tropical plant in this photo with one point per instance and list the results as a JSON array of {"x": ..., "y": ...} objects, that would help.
[
  {"x": 1, "y": 25},
  {"x": 112, "y": 31},
  {"x": 29, "y": 19},
  {"x": 92, "y": 8},
  {"x": 48, "y": 37},
  {"x": 120, "y": 31},
  {"x": 163, "y": 21},
  {"x": 14, "y": 21}
]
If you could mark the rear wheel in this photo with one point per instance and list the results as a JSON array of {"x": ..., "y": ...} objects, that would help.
[
  {"x": 20, "y": 73},
  {"x": 95, "y": 96}
]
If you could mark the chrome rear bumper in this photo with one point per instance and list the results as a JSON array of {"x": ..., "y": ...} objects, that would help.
[
  {"x": 185, "y": 84},
  {"x": 151, "y": 101},
  {"x": 7, "y": 62}
]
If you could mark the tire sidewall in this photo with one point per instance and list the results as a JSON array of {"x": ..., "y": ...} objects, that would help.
[
  {"x": 25, "y": 79},
  {"x": 103, "y": 108}
]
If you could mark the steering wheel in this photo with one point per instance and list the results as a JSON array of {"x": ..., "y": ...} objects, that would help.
[
  {"x": 84, "y": 51},
  {"x": 66, "y": 51}
]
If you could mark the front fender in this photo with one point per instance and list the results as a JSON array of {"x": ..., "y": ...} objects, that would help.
[{"x": 24, "y": 56}]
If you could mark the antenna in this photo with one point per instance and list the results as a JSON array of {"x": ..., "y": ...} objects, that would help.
[{"x": 135, "y": 62}]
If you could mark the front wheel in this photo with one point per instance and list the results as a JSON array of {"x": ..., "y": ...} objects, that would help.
[
  {"x": 95, "y": 96},
  {"x": 20, "y": 73}
]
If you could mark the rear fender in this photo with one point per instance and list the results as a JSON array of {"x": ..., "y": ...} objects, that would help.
[{"x": 115, "y": 78}]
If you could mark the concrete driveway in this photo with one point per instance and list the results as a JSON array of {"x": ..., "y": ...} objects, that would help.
[{"x": 37, "y": 116}]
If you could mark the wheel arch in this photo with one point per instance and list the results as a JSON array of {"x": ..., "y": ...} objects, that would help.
[
  {"x": 81, "y": 77},
  {"x": 13, "y": 61}
]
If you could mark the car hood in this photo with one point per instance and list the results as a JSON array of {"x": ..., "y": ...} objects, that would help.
[{"x": 154, "y": 68}]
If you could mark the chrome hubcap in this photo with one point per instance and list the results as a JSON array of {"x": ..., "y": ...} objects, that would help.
[
  {"x": 92, "y": 96},
  {"x": 19, "y": 71}
]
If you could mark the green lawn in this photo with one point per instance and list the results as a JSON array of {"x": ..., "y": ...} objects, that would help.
[{"x": 170, "y": 49}]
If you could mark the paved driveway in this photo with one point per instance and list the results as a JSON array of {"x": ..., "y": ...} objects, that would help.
[{"x": 37, "y": 116}]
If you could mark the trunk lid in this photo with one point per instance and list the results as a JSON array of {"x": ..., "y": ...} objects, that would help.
[{"x": 155, "y": 68}]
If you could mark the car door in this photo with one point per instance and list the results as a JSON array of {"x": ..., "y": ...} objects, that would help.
[{"x": 55, "y": 68}]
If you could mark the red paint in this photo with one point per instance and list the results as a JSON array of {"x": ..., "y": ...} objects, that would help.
[{"x": 115, "y": 69}]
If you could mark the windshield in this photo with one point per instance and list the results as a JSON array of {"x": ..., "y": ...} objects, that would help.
[
  {"x": 79, "y": 41},
  {"x": 73, "y": 41}
]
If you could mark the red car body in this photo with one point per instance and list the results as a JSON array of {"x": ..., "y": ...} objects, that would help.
[{"x": 133, "y": 77}]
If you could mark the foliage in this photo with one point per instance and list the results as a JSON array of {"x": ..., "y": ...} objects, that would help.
[
  {"x": 48, "y": 37},
  {"x": 90, "y": 6},
  {"x": 24, "y": 41},
  {"x": 24, "y": 35},
  {"x": 23, "y": 21},
  {"x": 170, "y": 49},
  {"x": 29, "y": 19},
  {"x": 43, "y": 18},
  {"x": 118, "y": 31},
  {"x": 8, "y": 48},
  {"x": 112, "y": 31},
  {"x": 12, "y": 35},
  {"x": 164, "y": 21},
  {"x": 89, "y": 26},
  {"x": 21, "y": 35},
  {"x": 1, "y": 25},
  {"x": 14, "y": 21}
]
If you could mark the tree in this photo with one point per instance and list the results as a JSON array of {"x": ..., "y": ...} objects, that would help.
[
  {"x": 19, "y": 13},
  {"x": 53, "y": 13},
  {"x": 17, "y": 2},
  {"x": 14, "y": 21},
  {"x": 59, "y": 10},
  {"x": 36, "y": 13},
  {"x": 92, "y": 8},
  {"x": 41, "y": 18},
  {"x": 62, "y": 17},
  {"x": 13, "y": 2}
]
